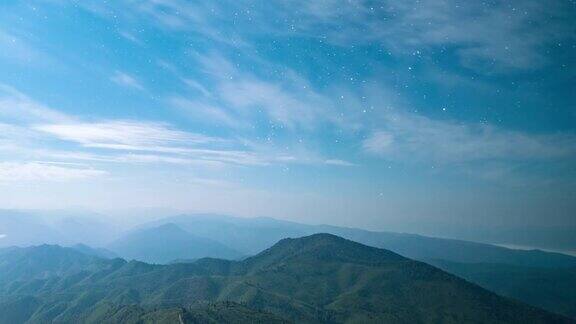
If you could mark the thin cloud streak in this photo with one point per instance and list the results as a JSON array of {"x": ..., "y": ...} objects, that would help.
[
  {"x": 35, "y": 171},
  {"x": 16, "y": 107},
  {"x": 407, "y": 137},
  {"x": 130, "y": 133},
  {"x": 126, "y": 80}
]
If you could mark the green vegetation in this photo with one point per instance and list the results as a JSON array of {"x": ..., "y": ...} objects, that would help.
[
  {"x": 553, "y": 289},
  {"x": 319, "y": 278}
]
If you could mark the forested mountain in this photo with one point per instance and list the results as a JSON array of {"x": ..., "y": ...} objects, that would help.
[
  {"x": 318, "y": 278},
  {"x": 539, "y": 278},
  {"x": 553, "y": 289}
]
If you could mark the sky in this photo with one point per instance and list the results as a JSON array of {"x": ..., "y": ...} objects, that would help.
[{"x": 404, "y": 115}]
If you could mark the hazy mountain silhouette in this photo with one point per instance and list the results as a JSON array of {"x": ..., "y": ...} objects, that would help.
[
  {"x": 167, "y": 242},
  {"x": 251, "y": 235},
  {"x": 98, "y": 252},
  {"x": 26, "y": 228}
]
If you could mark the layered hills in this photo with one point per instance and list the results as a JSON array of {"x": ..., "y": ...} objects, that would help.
[{"x": 320, "y": 278}]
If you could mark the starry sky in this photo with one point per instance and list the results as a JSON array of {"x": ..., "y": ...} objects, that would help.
[{"x": 404, "y": 115}]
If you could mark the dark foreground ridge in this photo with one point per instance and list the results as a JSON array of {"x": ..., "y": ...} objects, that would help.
[{"x": 321, "y": 278}]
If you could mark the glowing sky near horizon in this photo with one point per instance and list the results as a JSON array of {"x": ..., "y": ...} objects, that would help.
[{"x": 380, "y": 114}]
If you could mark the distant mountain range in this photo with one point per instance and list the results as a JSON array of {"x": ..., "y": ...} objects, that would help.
[
  {"x": 252, "y": 235},
  {"x": 320, "y": 278},
  {"x": 166, "y": 243},
  {"x": 25, "y": 228}
]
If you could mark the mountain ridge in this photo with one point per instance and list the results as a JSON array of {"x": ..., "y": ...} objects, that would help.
[
  {"x": 168, "y": 242},
  {"x": 318, "y": 278}
]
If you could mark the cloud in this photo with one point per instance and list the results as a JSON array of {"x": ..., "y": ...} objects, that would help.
[
  {"x": 122, "y": 134},
  {"x": 130, "y": 37},
  {"x": 17, "y": 107},
  {"x": 30, "y": 122},
  {"x": 485, "y": 36},
  {"x": 167, "y": 144},
  {"x": 35, "y": 171},
  {"x": 290, "y": 100},
  {"x": 338, "y": 162},
  {"x": 193, "y": 84},
  {"x": 16, "y": 49},
  {"x": 378, "y": 142},
  {"x": 126, "y": 80},
  {"x": 208, "y": 19},
  {"x": 412, "y": 138},
  {"x": 204, "y": 112}
]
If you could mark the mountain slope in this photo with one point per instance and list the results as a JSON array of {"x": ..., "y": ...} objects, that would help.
[
  {"x": 551, "y": 289},
  {"x": 18, "y": 311},
  {"x": 97, "y": 252},
  {"x": 168, "y": 242},
  {"x": 353, "y": 282},
  {"x": 44, "y": 261},
  {"x": 28, "y": 228},
  {"x": 319, "y": 278},
  {"x": 252, "y": 235}
]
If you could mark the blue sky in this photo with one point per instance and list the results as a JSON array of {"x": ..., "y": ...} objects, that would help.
[{"x": 381, "y": 114}]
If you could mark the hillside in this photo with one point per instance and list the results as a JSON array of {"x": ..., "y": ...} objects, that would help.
[
  {"x": 252, "y": 235},
  {"x": 551, "y": 289},
  {"x": 319, "y": 278},
  {"x": 44, "y": 261}
]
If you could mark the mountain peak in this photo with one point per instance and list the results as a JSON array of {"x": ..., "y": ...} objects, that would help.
[
  {"x": 169, "y": 228},
  {"x": 167, "y": 242},
  {"x": 322, "y": 247}
]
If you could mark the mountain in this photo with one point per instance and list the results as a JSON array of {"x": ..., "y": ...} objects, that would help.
[
  {"x": 168, "y": 242},
  {"x": 21, "y": 228},
  {"x": 83, "y": 229},
  {"x": 20, "y": 311},
  {"x": 320, "y": 278},
  {"x": 27, "y": 228},
  {"x": 97, "y": 252},
  {"x": 552, "y": 289},
  {"x": 252, "y": 235},
  {"x": 423, "y": 248},
  {"x": 247, "y": 235},
  {"x": 44, "y": 261}
]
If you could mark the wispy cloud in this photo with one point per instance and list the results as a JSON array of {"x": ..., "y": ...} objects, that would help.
[
  {"x": 339, "y": 163},
  {"x": 34, "y": 131},
  {"x": 485, "y": 36},
  {"x": 204, "y": 112},
  {"x": 411, "y": 138},
  {"x": 18, "y": 50},
  {"x": 126, "y": 80},
  {"x": 129, "y": 133},
  {"x": 35, "y": 171},
  {"x": 290, "y": 101},
  {"x": 17, "y": 107}
]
